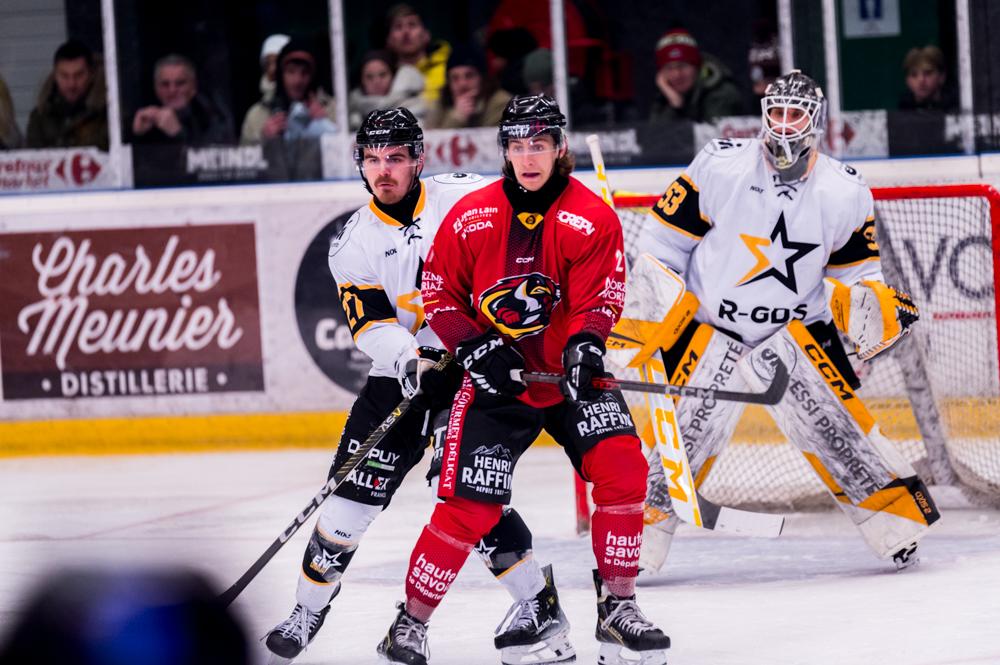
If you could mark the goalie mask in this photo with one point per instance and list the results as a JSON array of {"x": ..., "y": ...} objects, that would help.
[
  {"x": 387, "y": 128},
  {"x": 530, "y": 116},
  {"x": 793, "y": 113}
]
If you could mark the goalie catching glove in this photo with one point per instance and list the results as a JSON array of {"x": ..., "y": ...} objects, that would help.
[{"x": 872, "y": 314}]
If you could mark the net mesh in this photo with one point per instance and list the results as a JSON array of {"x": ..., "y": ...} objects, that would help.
[{"x": 940, "y": 250}]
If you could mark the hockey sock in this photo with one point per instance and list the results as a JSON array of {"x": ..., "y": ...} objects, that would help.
[
  {"x": 506, "y": 550},
  {"x": 618, "y": 470},
  {"x": 456, "y": 525},
  {"x": 331, "y": 547}
]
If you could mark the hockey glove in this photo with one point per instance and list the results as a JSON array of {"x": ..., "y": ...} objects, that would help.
[
  {"x": 873, "y": 315},
  {"x": 583, "y": 360},
  {"x": 426, "y": 387},
  {"x": 489, "y": 362}
]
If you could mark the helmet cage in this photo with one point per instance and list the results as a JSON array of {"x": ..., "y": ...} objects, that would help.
[{"x": 786, "y": 140}]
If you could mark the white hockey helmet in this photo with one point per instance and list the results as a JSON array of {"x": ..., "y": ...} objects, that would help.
[{"x": 788, "y": 136}]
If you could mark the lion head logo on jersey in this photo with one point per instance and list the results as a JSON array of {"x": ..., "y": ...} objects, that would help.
[{"x": 520, "y": 305}]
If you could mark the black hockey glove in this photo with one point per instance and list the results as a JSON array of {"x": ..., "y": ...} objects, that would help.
[
  {"x": 426, "y": 387},
  {"x": 583, "y": 360},
  {"x": 489, "y": 361}
]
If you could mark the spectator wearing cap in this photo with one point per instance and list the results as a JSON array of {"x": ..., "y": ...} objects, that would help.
[
  {"x": 383, "y": 85},
  {"x": 692, "y": 85},
  {"x": 470, "y": 98},
  {"x": 299, "y": 109},
  {"x": 926, "y": 82},
  {"x": 183, "y": 115},
  {"x": 72, "y": 104},
  {"x": 409, "y": 40},
  {"x": 269, "y": 51},
  {"x": 537, "y": 72}
]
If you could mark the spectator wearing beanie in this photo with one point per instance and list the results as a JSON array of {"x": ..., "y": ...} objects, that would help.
[
  {"x": 470, "y": 97},
  {"x": 269, "y": 51},
  {"x": 692, "y": 85}
]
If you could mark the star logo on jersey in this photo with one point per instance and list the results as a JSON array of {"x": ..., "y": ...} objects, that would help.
[{"x": 775, "y": 251}]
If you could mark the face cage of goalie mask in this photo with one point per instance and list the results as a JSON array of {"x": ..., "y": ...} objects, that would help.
[{"x": 785, "y": 148}]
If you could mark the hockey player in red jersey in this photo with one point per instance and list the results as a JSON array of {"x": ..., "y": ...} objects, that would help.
[
  {"x": 528, "y": 273},
  {"x": 376, "y": 261}
]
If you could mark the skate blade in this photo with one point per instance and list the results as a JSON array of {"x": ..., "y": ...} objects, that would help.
[
  {"x": 556, "y": 649},
  {"x": 615, "y": 654}
]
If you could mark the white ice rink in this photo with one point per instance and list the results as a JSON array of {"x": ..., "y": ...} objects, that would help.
[{"x": 814, "y": 596}]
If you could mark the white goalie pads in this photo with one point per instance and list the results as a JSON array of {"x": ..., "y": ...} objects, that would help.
[
  {"x": 823, "y": 417},
  {"x": 872, "y": 314}
]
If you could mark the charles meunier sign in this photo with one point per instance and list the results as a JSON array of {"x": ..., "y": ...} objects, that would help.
[{"x": 129, "y": 312}]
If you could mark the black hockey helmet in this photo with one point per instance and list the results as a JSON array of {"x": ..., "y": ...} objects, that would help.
[
  {"x": 786, "y": 139},
  {"x": 528, "y": 116},
  {"x": 383, "y": 128}
]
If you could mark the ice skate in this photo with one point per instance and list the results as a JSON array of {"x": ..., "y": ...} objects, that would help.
[
  {"x": 906, "y": 557},
  {"x": 535, "y": 631},
  {"x": 626, "y": 636},
  {"x": 406, "y": 641},
  {"x": 291, "y": 636}
]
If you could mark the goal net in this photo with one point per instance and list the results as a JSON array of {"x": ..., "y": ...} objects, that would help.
[{"x": 936, "y": 395}]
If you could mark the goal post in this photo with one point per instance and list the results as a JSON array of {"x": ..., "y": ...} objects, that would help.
[{"x": 936, "y": 396}]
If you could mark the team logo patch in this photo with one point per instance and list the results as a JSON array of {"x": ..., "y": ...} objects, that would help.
[
  {"x": 770, "y": 253},
  {"x": 520, "y": 305}
]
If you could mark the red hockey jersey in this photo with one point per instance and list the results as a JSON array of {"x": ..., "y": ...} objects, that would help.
[{"x": 538, "y": 278}]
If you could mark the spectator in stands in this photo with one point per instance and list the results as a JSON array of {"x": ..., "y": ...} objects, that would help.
[
  {"x": 927, "y": 82},
  {"x": 471, "y": 98},
  {"x": 508, "y": 49},
  {"x": 10, "y": 135},
  {"x": 692, "y": 87},
  {"x": 269, "y": 51},
  {"x": 115, "y": 616},
  {"x": 184, "y": 115},
  {"x": 537, "y": 73},
  {"x": 410, "y": 41},
  {"x": 764, "y": 60},
  {"x": 72, "y": 106},
  {"x": 300, "y": 107},
  {"x": 383, "y": 85}
]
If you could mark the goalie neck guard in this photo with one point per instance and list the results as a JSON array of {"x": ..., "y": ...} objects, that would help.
[
  {"x": 384, "y": 128},
  {"x": 793, "y": 112}
]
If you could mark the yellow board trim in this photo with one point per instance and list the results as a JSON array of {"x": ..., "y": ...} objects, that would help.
[{"x": 177, "y": 434}]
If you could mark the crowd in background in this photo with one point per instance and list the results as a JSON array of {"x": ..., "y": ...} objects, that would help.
[{"x": 445, "y": 85}]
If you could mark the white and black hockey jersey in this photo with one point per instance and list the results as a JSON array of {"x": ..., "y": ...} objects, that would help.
[
  {"x": 755, "y": 250},
  {"x": 377, "y": 263}
]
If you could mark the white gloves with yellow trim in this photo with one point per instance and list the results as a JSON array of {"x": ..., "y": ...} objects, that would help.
[{"x": 872, "y": 314}]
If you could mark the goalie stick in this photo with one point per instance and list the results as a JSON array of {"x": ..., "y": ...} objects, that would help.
[
  {"x": 775, "y": 391},
  {"x": 351, "y": 463}
]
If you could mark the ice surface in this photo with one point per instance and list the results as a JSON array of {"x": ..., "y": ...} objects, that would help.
[{"x": 814, "y": 596}]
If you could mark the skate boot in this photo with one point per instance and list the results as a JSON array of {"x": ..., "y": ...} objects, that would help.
[
  {"x": 535, "y": 631},
  {"x": 291, "y": 636},
  {"x": 906, "y": 557},
  {"x": 406, "y": 641},
  {"x": 621, "y": 627}
]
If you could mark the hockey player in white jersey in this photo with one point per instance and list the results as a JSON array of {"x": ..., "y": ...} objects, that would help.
[
  {"x": 778, "y": 243},
  {"x": 377, "y": 262}
]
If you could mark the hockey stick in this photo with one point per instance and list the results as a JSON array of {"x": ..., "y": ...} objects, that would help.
[
  {"x": 771, "y": 396},
  {"x": 349, "y": 464},
  {"x": 594, "y": 143}
]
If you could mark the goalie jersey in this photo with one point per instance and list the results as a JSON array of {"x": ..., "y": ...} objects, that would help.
[
  {"x": 755, "y": 249},
  {"x": 377, "y": 264}
]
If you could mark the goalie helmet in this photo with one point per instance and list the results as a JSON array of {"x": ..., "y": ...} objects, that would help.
[
  {"x": 793, "y": 112},
  {"x": 384, "y": 128},
  {"x": 529, "y": 116}
]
